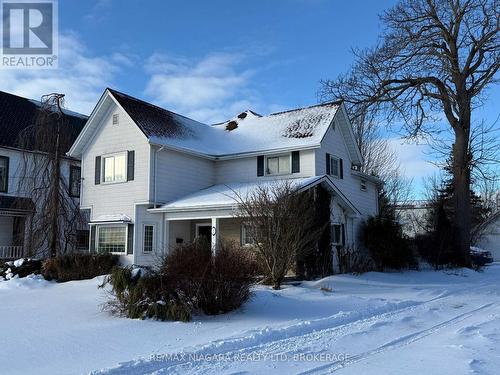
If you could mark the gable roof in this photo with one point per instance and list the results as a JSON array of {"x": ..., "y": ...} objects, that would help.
[
  {"x": 17, "y": 113},
  {"x": 282, "y": 131}
]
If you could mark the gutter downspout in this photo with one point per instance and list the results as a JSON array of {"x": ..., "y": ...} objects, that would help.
[{"x": 155, "y": 172}]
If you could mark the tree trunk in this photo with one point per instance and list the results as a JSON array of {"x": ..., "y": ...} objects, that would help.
[
  {"x": 55, "y": 204},
  {"x": 461, "y": 196}
]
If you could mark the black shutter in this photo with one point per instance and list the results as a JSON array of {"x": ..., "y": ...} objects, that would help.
[
  {"x": 130, "y": 239},
  {"x": 341, "y": 167},
  {"x": 92, "y": 238},
  {"x": 260, "y": 165},
  {"x": 295, "y": 161},
  {"x": 328, "y": 163},
  {"x": 97, "y": 170},
  {"x": 130, "y": 165}
]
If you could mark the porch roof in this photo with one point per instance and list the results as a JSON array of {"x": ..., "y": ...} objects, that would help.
[
  {"x": 9, "y": 203},
  {"x": 226, "y": 196}
]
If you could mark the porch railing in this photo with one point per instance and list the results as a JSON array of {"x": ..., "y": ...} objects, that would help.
[{"x": 11, "y": 252}]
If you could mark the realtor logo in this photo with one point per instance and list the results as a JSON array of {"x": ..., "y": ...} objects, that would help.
[{"x": 29, "y": 34}]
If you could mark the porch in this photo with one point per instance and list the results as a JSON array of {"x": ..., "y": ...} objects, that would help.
[{"x": 14, "y": 213}]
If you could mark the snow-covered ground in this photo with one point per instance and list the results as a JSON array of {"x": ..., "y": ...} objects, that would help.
[{"x": 413, "y": 322}]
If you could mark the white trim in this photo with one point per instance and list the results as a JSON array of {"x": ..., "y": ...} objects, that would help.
[
  {"x": 102, "y": 225},
  {"x": 197, "y": 228},
  {"x": 274, "y": 156},
  {"x": 154, "y": 244},
  {"x": 103, "y": 163},
  {"x": 334, "y": 157}
]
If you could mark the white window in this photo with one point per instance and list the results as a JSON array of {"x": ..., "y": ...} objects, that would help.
[
  {"x": 112, "y": 239},
  {"x": 363, "y": 185},
  {"x": 334, "y": 166},
  {"x": 246, "y": 235},
  {"x": 116, "y": 119},
  {"x": 336, "y": 234},
  {"x": 278, "y": 164},
  {"x": 148, "y": 240},
  {"x": 114, "y": 168}
]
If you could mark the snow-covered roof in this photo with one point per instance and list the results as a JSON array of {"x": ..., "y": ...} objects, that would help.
[
  {"x": 250, "y": 132},
  {"x": 228, "y": 195},
  {"x": 112, "y": 218}
]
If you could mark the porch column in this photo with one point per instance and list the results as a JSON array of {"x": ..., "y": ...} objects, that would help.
[{"x": 215, "y": 234}]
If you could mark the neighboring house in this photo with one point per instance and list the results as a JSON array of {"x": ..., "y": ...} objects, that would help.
[
  {"x": 16, "y": 206},
  {"x": 412, "y": 216},
  {"x": 489, "y": 238},
  {"x": 152, "y": 178}
]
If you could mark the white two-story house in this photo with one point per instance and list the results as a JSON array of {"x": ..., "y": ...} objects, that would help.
[
  {"x": 20, "y": 207},
  {"x": 152, "y": 178}
]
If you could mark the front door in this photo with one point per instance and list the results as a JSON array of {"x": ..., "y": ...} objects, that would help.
[{"x": 204, "y": 231}]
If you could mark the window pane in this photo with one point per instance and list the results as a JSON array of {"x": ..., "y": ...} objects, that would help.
[
  {"x": 112, "y": 239},
  {"x": 273, "y": 165},
  {"x": 335, "y": 167},
  {"x": 75, "y": 180},
  {"x": 336, "y": 234},
  {"x": 246, "y": 235},
  {"x": 109, "y": 167},
  {"x": 148, "y": 238},
  {"x": 284, "y": 166},
  {"x": 120, "y": 165}
]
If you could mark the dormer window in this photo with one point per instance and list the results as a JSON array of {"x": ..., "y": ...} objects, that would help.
[{"x": 279, "y": 164}]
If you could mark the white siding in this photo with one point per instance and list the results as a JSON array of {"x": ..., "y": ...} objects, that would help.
[
  {"x": 143, "y": 217},
  {"x": 118, "y": 198},
  {"x": 333, "y": 143},
  {"x": 245, "y": 169},
  {"x": 365, "y": 201},
  {"x": 179, "y": 174},
  {"x": 21, "y": 162}
]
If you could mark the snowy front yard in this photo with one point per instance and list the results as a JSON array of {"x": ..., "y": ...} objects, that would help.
[{"x": 412, "y": 322}]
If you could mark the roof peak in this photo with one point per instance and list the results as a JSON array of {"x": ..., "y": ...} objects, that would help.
[
  {"x": 325, "y": 104},
  {"x": 113, "y": 91}
]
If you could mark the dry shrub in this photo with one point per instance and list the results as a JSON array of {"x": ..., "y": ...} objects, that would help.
[
  {"x": 214, "y": 283},
  {"x": 78, "y": 266},
  {"x": 190, "y": 279},
  {"x": 144, "y": 294}
]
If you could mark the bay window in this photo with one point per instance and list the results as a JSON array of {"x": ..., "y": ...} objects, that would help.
[{"x": 112, "y": 239}]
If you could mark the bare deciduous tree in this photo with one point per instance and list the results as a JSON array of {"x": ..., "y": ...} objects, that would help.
[
  {"x": 53, "y": 227},
  {"x": 435, "y": 58},
  {"x": 281, "y": 224}
]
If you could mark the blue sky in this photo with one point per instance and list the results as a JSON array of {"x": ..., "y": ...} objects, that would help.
[{"x": 211, "y": 59}]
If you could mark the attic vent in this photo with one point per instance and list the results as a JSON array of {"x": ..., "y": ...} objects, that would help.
[
  {"x": 242, "y": 115},
  {"x": 231, "y": 125},
  {"x": 115, "y": 119}
]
